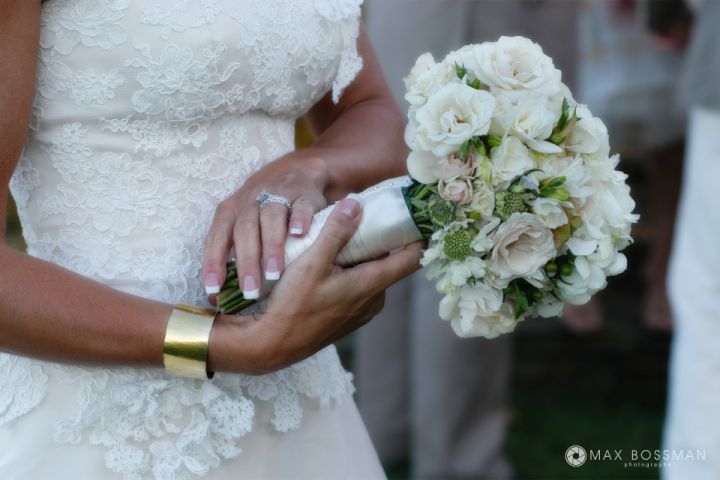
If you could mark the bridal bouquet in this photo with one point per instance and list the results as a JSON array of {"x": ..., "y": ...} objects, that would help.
[{"x": 512, "y": 183}]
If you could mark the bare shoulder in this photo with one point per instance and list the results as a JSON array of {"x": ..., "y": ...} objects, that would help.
[{"x": 19, "y": 32}]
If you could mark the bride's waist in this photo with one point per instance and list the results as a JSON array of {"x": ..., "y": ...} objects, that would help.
[{"x": 158, "y": 264}]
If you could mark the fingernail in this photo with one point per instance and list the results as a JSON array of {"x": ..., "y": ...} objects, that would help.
[
  {"x": 250, "y": 288},
  {"x": 296, "y": 227},
  {"x": 272, "y": 269},
  {"x": 212, "y": 283},
  {"x": 349, "y": 207}
]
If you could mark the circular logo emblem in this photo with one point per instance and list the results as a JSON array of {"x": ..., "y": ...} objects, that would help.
[{"x": 575, "y": 456}]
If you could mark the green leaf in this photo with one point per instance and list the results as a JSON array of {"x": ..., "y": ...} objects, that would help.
[
  {"x": 460, "y": 71},
  {"x": 521, "y": 302},
  {"x": 561, "y": 129},
  {"x": 464, "y": 150}
]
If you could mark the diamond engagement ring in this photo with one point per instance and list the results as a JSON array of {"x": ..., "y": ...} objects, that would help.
[{"x": 264, "y": 198}]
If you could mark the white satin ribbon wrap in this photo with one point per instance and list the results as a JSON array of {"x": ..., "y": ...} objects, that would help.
[{"x": 386, "y": 225}]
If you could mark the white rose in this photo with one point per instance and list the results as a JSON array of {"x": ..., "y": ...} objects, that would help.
[
  {"x": 521, "y": 246},
  {"x": 427, "y": 168},
  {"x": 483, "y": 200},
  {"x": 426, "y": 78},
  {"x": 589, "y": 137},
  {"x": 458, "y": 273},
  {"x": 529, "y": 116},
  {"x": 549, "y": 307},
  {"x": 509, "y": 160},
  {"x": 585, "y": 280},
  {"x": 549, "y": 211},
  {"x": 610, "y": 208},
  {"x": 423, "y": 64},
  {"x": 477, "y": 311},
  {"x": 451, "y": 116},
  {"x": 578, "y": 177},
  {"x": 457, "y": 190},
  {"x": 515, "y": 63}
]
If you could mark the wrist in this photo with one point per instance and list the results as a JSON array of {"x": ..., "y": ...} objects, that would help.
[
  {"x": 234, "y": 345},
  {"x": 312, "y": 162}
]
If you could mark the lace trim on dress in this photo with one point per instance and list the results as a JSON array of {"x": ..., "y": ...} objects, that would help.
[
  {"x": 346, "y": 12},
  {"x": 22, "y": 382},
  {"x": 172, "y": 427}
]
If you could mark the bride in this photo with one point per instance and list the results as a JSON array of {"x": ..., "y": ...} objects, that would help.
[{"x": 136, "y": 138}]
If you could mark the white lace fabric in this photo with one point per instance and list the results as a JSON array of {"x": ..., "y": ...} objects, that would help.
[{"x": 147, "y": 115}]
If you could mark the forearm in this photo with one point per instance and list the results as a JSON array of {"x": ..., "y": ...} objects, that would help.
[
  {"x": 360, "y": 140},
  {"x": 362, "y": 147},
  {"x": 52, "y": 313}
]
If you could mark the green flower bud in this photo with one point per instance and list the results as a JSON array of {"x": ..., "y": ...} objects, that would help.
[
  {"x": 509, "y": 202},
  {"x": 537, "y": 295},
  {"x": 551, "y": 267},
  {"x": 457, "y": 244},
  {"x": 566, "y": 270},
  {"x": 441, "y": 211},
  {"x": 494, "y": 140}
]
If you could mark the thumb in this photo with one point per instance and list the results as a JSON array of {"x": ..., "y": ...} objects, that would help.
[{"x": 337, "y": 231}]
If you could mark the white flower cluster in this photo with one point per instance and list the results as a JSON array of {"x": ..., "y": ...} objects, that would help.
[{"x": 526, "y": 208}]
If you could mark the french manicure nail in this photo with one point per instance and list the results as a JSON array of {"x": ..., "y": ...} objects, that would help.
[
  {"x": 349, "y": 207},
  {"x": 296, "y": 227},
  {"x": 272, "y": 269},
  {"x": 250, "y": 288},
  {"x": 212, "y": 284}
]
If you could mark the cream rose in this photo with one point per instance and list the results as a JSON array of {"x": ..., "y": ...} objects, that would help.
[
  {"x": 521, "y": 246},
  {"x": 451, "y": 116},
  {"x": 427, "y": 168},
  {"x": 515, "y": 63},
  {"x": 457, "y": 190},
  {"x": 509, "y": 160}
]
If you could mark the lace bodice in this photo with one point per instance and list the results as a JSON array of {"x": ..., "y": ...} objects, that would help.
[{"x": 148, "y": 114}]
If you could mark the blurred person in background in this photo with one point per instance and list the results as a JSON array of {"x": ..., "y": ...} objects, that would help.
[
  {"x": 694, "y": 274},
  {"x": 628, "y": 78},
  {"x": 426, "y": 394}
]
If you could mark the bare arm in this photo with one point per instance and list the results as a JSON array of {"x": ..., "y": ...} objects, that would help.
[{"x": 361, "y": 138}]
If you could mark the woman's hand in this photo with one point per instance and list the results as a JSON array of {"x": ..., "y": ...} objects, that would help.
[
  {"x": 358, "y": 142},
  {"x": 314, "y": 304},
  {"x": 261, "y": 234}
]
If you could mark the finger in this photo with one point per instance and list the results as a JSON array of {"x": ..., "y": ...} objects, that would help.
[
  {"x": 337, "y": 231},
  {"x": 216, "y": 247},
  {"x": 246, "y": 235},
  {"x": 273, "y": 232},
  {"x": 301, "y": 216},
  {"x": 377, "y": 275}
]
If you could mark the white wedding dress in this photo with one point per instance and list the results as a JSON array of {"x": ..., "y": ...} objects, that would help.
[{"x": 147, "y": 114}]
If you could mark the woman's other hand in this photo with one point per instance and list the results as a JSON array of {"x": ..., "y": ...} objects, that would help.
[{"x": 315, "y": 303}]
